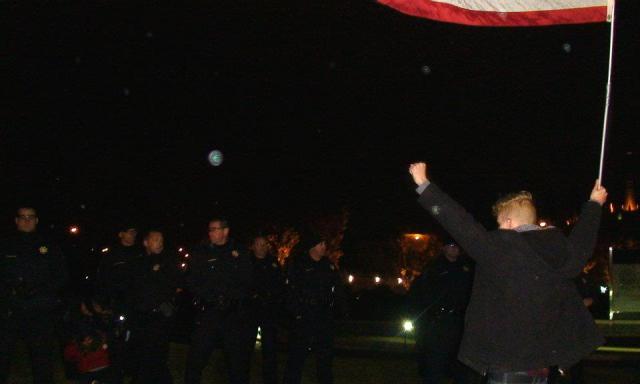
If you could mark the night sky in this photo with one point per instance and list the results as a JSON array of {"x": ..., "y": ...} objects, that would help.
[{"x": 112, "y": 107}]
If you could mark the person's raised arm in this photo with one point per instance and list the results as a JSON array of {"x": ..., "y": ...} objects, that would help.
[
  {"x": 459, "y": 223},
  {"x": 582, "y": 238}
]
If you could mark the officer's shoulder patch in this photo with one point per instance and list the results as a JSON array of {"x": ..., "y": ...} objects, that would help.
[{"x": 43, "y": 250}]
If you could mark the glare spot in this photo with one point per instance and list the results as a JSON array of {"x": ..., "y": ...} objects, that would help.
[{"x": 215, "y": 158}]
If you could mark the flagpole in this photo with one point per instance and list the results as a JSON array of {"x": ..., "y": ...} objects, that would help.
[{"x": 608, "y": 93}]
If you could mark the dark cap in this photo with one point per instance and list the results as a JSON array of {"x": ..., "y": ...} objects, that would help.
[{"x": 127, "y": 225}]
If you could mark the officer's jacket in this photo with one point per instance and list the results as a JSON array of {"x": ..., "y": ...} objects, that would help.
[
  {"x": 155, "y": 280},
  {"x": 115, "y": 273},
  {"x": 32, "y": 271},
  {"x": 314, "y": 287},
  {"x": 268, "y": 281},
  {"x": 220, "y": 273},
  {"x": 444, "y": 287}
]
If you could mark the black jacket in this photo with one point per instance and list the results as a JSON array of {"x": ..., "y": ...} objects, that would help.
[
  {"x": 314, "y": 288},
  {"x": 115, "y": 274},
  {"x": 268, "y": 282},
  {"x": 443, "y": 288},
  {"x": 221, "y": 274},
  {"x": 32, "y": 271},
  {"x": 154, "y": 284},
  {"x": 525, "y": 312}
]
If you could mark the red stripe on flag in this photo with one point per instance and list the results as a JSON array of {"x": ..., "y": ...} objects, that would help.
[{"x": 449, "y": 13}]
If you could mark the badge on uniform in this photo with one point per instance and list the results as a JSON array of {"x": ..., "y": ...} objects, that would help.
[
  {"x": 156, "y": 267},
  {"x": 43, "y": 250}
]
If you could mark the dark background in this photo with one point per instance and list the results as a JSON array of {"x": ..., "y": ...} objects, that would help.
[{"x": 112, "y": 107}]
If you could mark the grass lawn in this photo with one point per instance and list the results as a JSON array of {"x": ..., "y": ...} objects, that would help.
[{"x": 349, "y": 368}]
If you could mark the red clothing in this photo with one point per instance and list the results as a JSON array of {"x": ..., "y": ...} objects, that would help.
[{"x": 87, "y": 361}]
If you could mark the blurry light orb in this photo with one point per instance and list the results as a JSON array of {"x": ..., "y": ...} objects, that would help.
[
  {"x": 351, "y": 278},
  {"x": 399, "y": 280},
  {"x": 215, "y": 158},
  {"x": 407, "y": 325},
  {"x": 426, "y": 69},
  {"x": 566, "y": 47},
  {"x": 377, "y": 279},
  {"x": 74, "y": 230}
]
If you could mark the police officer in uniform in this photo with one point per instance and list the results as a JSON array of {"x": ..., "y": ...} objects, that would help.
[
  {"x": 32, "y": 271},
  {"x": 113, "y": 283},
  {"x": 151, "y": 301},
  {"x": 268, "y": 290},
  {"x": 314, "y": 295},
  {"x": 220, "y": 277},
  {"x": 438, "y": 298}
]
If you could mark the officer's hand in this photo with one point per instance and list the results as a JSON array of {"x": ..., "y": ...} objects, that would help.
[
  {"x": 599, "y": 193},
  {"x": 419, "y": 173}
]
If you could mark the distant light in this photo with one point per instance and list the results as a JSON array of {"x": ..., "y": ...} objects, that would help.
[
  {"x": 104, "y": 250},
  {"x": 215, "y": 158},
  {"x": 417, "y": 237},
  {"x": 186, "y": 255},
  {"x": 543, "y": 223},
  {"x": 86, "y": 277},
  {"x": 183, "y": 265},
  {"x": 568, "y": 222},
  {"x": 612, "y": 208},
  {"x": 603, "y": 289},
  {"x": 74, "y": 230},
  {"x": 566, "y": 47},
  {"x": 377, "y": 279},
  {"x": 400, "y": 280},
  {"x": 426, "y": 69},
  {"x": 619, "y": 216},
  {"x": 407, "y": 326},
  {"x": 350, "y": 278},
  {"x": 121, "y": 318},
  {"x": 180, "y": 249},
  {"x": 259, "y": 334}
]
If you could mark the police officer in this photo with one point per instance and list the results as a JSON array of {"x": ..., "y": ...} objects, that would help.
[
  {"x": 32, "y": 271},
  {"x": 314, "y": 293},
  {"x": 114, "y": 271},
  {"x": 220, "y": 277},
  {"x": 113, "y": 282},
  {"x": 268, "y": 290},
  {"x": 151, "y": 301},
  {"x": 438, "y": 298}
]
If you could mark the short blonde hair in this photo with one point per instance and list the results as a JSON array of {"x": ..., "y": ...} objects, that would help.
[{"x": 517, "y": 205}]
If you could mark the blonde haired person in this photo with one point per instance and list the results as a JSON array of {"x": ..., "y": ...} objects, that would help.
[{"x": 525, "y": 313}]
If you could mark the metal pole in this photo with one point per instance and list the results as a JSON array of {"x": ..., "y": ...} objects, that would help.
[{"x": 608, "y": 93}]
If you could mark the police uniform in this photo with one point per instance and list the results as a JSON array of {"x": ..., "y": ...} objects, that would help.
[
  {"x": 314, "y": 291},
  {"x": 151, "y": 303},
  {"x": 438, "y": 299},
  {"x": 268, "y": 290},
  {"x": 220, "y": 277},
  {"x": 114, "y": 279},
  {"x": 32, "y": 271}
]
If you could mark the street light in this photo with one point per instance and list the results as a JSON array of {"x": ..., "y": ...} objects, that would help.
[
  {"x": 74, "y": 230},
  {"x": 350, "y": 279},
  {"x": 377, "y": 279}
]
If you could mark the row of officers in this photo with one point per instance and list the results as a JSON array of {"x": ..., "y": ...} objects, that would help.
[{"x": 124, "y": 329}]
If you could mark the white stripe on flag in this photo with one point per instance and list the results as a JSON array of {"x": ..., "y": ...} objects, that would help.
[{"x": 522, "y": 5}]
